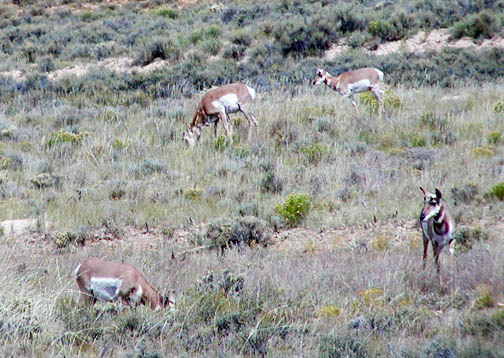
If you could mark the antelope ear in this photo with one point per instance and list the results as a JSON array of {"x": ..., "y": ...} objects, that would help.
[
  {"x": 438, "y": 194},
  {"x": 422, "y": 189}
]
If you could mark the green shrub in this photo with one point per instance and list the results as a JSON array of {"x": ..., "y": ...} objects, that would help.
[
  {"x": 369, "y": 100},
  {"x": 150, "y": 166},
  {"x": 167, "y": 12},
  {"x": 418, "y": 141},
  {"x": 222, "y": 142},
  {"x": 212, "y": 46},
  {"x": 242, "y": 38},
  {"x": 480, "y": 26},
  {"x": 494, "y": 137},
  {"x": 61, "y": 136},
  {"x": 465, "y": 195},
  {"x": 246, "y": 231},
  {"x": 498, "y": 191},
  {"x": 483, "y": 151},
  {"x": 392, "y": 30},
  {"x": 391, "y": 101},
  {"x": 193, "y": 194},
  {"x": 332, "y": 346},
  {"x": 67, "y": 238},
  {"x": 483, "y": 297},
  {"x": 45, "y": 180},
  {"x": 314, "y": 152},
  {"x": 294, "y": 209},
  {"x": 213, "y": 31},
  {"x": 466, "y": 236},
  {"x": 484, "y": 323},
  {"x": 30, "y": 52},
  {"x": 234, "y": 52},
  {"x": 499, "y": 107},
  {"x": 270, "y": 183},
  {"x": 161, "y": 47}
]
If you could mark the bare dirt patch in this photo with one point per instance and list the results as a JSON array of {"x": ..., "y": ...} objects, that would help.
[
  {"x": 116, "y": 64},
  {"x": 379, "y": 236},
  {"x": 422, "y": 42}
]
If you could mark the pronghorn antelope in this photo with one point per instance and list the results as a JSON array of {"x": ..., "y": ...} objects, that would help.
[
  {"x": 438, "y": 226},
  {"x": 106, "y": 280},
  {"x": 349, "y": 83},
  {"x": 216, "y": 105}
]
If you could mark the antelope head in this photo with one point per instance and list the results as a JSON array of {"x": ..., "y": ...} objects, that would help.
[
  {"x": 189, "y": 137},
  {"x": 432, "y": 205},
  {"x": 320, "y": 76}
]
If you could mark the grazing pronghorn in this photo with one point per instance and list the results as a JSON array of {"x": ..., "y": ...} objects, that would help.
[
  {"x": 349, "y": 83},
  {"x": 216, "y": 105},
  {"x": 438, "y": 226},
  {"x": 106, "y": 280}
]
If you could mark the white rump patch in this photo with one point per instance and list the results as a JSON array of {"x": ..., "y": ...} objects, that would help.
[
  {"x": 359, "y": 86},
  {"x": 137, "y": 296},
  {"x": 380, "y": 74},
  {"x": 76, "y": 272},
  {"x": 106, "y": 289},
  {"x": 252, "y": 92}
]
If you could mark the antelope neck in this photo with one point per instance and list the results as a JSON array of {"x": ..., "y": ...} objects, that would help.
[{"x": 441, "y": 226}]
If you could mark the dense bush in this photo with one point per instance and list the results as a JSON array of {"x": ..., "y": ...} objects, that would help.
[
  {"x": 481, "y": 26},
  {"x": 246, "y": 231},
  {"x": 294, "y": 209}
]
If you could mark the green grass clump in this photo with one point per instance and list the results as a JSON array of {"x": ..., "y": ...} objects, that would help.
[
  {"x": 499, "y": 107},
  {"x": 484, "y": 297},
  {"x": 498, "y": 191},
  {"x": 314, "y": 152},
  {"x": 483, "y": 151},
  {"x": 61, "y": 136},
  {"x": 494, "y": 137},
  {"x": 369, "y": 100},
  {"x": 294, "y": 209},
  {"x": 167, "y": 12},
  {"x": 193, "y": 193},
  {"x": 391, "y": 100},
  {"x": 329, "y": 311}
]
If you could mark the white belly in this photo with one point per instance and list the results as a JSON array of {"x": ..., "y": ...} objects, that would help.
[
  {"x": 106, "y": 289},
  {"x": 227, "y": 103},
  {"x": 360, "y": 86}
]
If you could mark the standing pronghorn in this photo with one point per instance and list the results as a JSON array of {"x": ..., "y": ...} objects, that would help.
[
  {"x": 349, "y": 83},
  {"x": 216, "y": 105},
  {"x": 106, "y": 280},
  {"x": 438, "y": 226}
]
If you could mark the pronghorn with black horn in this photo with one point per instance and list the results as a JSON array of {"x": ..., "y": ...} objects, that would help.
[
  {"x": 351, "y": 82},
  {"x": 438, "y": 226},
  {"x": 108, "y": 281},
  {"x": 216, "y": 105}
]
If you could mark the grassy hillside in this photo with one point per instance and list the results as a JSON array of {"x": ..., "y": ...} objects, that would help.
[{"x": 98, "y": 160}]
